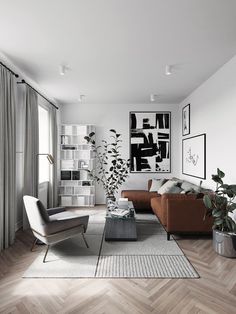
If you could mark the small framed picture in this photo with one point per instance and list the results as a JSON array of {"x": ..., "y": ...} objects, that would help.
[
  {"x": 186, "y": 120},
  {"x": 194, "y": 156}
]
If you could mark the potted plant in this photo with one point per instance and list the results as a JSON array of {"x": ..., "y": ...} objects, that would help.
[
  {"x": 111, "y": 169},
  {"x": 219, "y": 205}
]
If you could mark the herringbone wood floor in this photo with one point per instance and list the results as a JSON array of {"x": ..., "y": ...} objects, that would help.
[{"x": 214, "y": 292}]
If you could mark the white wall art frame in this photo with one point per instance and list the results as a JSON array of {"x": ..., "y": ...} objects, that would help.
[{"x": 194, "y": 156}]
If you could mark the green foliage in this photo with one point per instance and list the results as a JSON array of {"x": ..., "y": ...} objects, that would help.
[
  {"x": 221, "y": 203},
  {"x": 111, "y": 169}
]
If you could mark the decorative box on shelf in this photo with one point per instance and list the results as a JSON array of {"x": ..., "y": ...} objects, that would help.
[{"x": 76, "y": 188}]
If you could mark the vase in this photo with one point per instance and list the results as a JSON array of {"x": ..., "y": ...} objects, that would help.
[{"x": 110, "y": 200}]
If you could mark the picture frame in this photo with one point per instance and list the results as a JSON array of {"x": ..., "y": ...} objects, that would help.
[
  {"x": 150, "y": 141},
  {"x": 194, "y": 156},
  {"x": 186, "y": 120}
]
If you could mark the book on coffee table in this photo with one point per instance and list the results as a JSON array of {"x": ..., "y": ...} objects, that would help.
[{"x": 119, "y": 212}]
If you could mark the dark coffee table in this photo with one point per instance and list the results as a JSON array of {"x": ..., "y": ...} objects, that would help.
[{"x": 121, "y": 228}]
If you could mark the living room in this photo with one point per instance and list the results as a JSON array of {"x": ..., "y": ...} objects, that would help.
[{"x": 159, "y": 77}]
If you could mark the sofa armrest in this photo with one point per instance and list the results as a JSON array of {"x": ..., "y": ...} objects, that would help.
[
  {"x": 141, "y": 198},
  {"x": 172, "y": 196},
  {"x": 187, "y": 215}
]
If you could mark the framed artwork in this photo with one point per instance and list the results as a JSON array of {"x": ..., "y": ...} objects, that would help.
[
  {"x": 186, "y": 120},
  {"x": 150, "y": 141},
  {"x": 194, "y": 156}
]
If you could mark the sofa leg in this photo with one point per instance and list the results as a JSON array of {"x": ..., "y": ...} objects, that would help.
[{"x": 168, "y": 236}]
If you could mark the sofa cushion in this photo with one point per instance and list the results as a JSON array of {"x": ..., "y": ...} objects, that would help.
[
  {"x": 156, "y": 184},
  {"x": 189, "y": 187},
  {"x": 169, "y": 187}
]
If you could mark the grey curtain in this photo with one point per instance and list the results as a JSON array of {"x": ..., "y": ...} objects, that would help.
[
  {"x": 7, "y": 157},
  {"x": 53, "y": 140},
  {"x": 31, "y": 146}
]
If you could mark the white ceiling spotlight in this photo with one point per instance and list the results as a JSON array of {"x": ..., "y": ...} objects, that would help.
[
  {"x": 153, "y": 97},
  {"x": 63, "y": 68},
  {"x": 81, "y": 98},
  {"x": 168, "y": 69}
]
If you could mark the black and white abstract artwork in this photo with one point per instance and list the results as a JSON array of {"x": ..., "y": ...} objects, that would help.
[
  {"x": 194, "y": 156},
  {"x": 150, "y": 134},
  {"x": 186, "y": 120}
]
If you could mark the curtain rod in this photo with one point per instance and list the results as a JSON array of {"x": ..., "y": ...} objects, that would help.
[
  {"x": 16, "y": 75},
  {"x": 24, "y": 82}
]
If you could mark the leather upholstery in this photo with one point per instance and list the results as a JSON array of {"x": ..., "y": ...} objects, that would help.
[
  {"x": 181, "y": 213},
  {"x": 176, "y": 212},
  {"x": 141, "y": 199}
]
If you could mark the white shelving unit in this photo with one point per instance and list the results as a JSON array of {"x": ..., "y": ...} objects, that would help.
[{"x": 76, "y": 188}]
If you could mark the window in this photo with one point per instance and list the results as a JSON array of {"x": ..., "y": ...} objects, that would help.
[{"x": 43, "y": 144}]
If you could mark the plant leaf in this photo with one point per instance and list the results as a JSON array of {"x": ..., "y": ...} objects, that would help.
[{"x": 220, "y": 173}]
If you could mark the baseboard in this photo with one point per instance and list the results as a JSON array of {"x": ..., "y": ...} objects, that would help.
[{"x": 18, "y": 225}]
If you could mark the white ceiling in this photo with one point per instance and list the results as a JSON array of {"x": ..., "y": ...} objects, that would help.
[{"x": 117, "y": 49}]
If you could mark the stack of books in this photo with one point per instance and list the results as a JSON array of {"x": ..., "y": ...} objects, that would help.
[{"x": 120, "y": 212}]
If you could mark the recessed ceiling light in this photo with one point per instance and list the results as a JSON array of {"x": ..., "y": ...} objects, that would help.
[
  {"x": 80, "y": 98},
  {"x": 63, "y": 69},
  {"x": 153, "y": 97},
  {"x": 168, "y": 69}
]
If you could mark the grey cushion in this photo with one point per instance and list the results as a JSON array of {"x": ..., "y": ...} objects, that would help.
[
  {"x": 43, "y": 211},
  {"x": 169, "y": 187},
  {"x": 188, "y": 187},
  {"x": 156, "y": 184},
  {"x": 55, "y": 210}
]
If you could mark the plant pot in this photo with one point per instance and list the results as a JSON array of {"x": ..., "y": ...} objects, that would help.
[
  {"x": 224, "y": 243},
  {"x": 110, "y": 199}
]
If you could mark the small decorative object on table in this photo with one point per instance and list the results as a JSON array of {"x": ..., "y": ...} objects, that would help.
[{"x": 123, "y": 202}]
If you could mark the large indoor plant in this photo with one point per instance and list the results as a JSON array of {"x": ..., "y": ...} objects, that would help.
[
  {"x": 219, "y": 205},
  {"x": 111, "y": 169}
]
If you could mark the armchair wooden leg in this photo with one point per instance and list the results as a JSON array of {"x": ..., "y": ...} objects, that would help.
[
  {"x": 33, "y": 245},
  {"x": 85, "y": 240},
  {"x": 168, "y": 236},
  {"x": 44, "y": 259}
]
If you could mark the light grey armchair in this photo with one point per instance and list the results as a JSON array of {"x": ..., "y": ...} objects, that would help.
[{"x": 53, "y": 225}]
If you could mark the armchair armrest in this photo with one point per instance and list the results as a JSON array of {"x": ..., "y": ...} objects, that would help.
[
  {"x": 55, "y": 210},
  {"x": 55, "y": 226}
]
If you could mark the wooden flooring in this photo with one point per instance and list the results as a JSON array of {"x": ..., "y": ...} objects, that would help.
[{"x": 214, "y": 292}]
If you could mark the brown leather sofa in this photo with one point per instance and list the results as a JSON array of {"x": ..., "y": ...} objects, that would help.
[
  {"x": 141, "y": 198},
  {"x": 178, "y": 213}
]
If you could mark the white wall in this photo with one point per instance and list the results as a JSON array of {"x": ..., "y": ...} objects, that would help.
[
  {"x": 105, "y": 117},
  {"x": 213, "y": 111}
]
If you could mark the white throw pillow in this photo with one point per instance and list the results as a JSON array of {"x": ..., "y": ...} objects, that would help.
[
  {"x": 156, "y": 184},
  {"x": 169, "y": 187}
]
